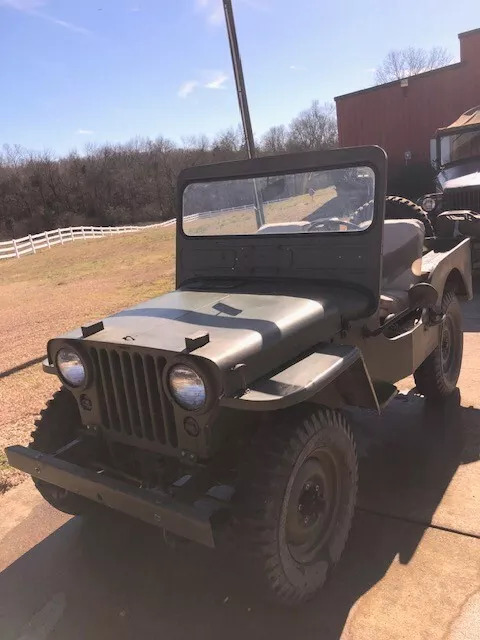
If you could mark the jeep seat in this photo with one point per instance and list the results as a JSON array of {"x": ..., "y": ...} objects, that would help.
[{"x": 401, "y": 263}]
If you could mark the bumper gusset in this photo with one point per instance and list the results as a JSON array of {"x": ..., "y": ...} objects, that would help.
[{"x": 189, "y": 521}]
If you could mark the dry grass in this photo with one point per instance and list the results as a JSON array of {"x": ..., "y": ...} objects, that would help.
[{"x": 46, "y": 294}]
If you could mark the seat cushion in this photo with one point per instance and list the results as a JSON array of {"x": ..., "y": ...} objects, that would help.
[{"x": 401, "y": 262}]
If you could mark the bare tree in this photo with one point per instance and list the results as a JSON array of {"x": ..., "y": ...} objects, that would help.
[
  {"x": 275, "y": 140},
  {"x": 314, "y": 128},
  {"x": 403, "y": 63},
  {"x": 132, "y": 182}
]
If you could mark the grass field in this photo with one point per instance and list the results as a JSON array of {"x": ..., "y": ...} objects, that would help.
[{"x": 46, "y": 294}]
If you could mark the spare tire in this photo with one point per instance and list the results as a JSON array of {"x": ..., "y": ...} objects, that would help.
[{"x": 398, "y": 208}]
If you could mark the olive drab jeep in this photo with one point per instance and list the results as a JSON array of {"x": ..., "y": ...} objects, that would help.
[{"x": 219, "y": 407}]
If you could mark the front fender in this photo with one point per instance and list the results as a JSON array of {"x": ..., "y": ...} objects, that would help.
[{"x": 334, "y": 375}]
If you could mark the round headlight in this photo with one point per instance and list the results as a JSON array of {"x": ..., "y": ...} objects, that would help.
[
  {"x": 187, "y": 387},
  {"x": 71, "y": 367},
  {"x": 429, "y": 203}
]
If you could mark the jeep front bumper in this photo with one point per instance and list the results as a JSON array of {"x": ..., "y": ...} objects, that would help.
[{"x": 189, "y": 521}]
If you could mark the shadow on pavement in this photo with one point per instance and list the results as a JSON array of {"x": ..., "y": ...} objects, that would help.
[
  {"x": 112, "y": 577},
  {"x": 471, "y": 309}
]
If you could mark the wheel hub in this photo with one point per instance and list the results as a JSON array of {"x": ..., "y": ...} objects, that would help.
[{"x": 313, "y": 505}]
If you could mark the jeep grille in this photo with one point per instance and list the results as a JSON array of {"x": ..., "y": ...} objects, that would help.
[
  {"x": 133, "y": 403},
  {"x": 462, "y": 199}
]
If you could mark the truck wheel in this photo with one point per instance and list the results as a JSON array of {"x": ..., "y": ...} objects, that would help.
[
  {"x": 397, "y": 208},
  {"x": 296, "y": 499},
  {"x": 54, "y": 429},
  {"x": 437, "y": 376}
]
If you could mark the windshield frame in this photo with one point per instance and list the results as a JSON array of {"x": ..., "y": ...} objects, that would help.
[{"x": 373, "y": 157}]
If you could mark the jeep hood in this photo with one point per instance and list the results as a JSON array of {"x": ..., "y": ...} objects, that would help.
[
  {"x": 245, "y": 325},
  {"x": 463, "y": 182},
  {"x": 461, "y": 175}
]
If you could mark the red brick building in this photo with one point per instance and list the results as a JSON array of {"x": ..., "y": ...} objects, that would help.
[{"x": 402, "y": 116}]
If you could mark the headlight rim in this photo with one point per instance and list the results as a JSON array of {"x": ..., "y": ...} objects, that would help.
[
  {"x": 434, "y": 198},
  {"x": 69, "y": 347},
  {"x": 203, "y": 373}
]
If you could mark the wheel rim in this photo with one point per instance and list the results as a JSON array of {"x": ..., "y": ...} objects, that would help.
[
  {"x": 313, "y": 506},
  {"x": 448, "y": 347}
]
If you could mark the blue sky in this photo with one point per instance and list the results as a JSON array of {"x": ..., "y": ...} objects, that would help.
[{"x": 79, "y": 71}]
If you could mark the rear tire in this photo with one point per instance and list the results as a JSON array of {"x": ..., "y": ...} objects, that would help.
[
  {"x": 296, "y": 500},
  {"x": 55, "y": 428},
  {"x": 437, "y": 377}
]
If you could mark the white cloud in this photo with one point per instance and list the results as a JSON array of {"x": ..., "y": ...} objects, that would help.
[
  {"x": 84, "y": 132},
  {"x": 217, "y": 81},
  {"x": 212, "y": 9},
  {"x": 31, "y": 7},
  {"x": 296, "y": 67},
  {"x": 67, "y": 25},
  {"x": 23, "y": 5},
  {"x": 209, "y": 79},
  {"x": 187, "y": 87}
]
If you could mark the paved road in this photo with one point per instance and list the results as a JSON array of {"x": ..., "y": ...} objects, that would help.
[{"x": 411, "y": 569}]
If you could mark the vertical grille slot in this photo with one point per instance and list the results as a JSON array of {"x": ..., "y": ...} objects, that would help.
[
  {"x": 154, "y": 398},
  {"x": 132, "y": 400},
  {"x": 142, "y": 397},
  {"x": 120, "y": 394},
  {"x": 131, "y": 397},
  {"x": 99, "y": 384},
  {"x": 167, "y": 409},
  {"x": 108, "y": 389}
]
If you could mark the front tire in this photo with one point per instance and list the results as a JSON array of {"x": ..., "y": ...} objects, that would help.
[
  {"x": 437, "y": 377},
  {"x": 55, "y": 428},
  {"x": 296, "y": 499}
]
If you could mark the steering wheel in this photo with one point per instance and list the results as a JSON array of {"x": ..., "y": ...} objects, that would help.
[{"x": 332, "y": 224}]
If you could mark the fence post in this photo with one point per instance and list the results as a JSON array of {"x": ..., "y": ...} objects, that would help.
[
  {"x": 60, "y": 235},
  {"x": 102, "y": 231},
  {"x": 71, "y": 234},
  {"x": 48, "y": 239},
  {"x": 32, "y": 243},
  {"x": 83, "y": 233},
  {"x": 17, "y": 255}
]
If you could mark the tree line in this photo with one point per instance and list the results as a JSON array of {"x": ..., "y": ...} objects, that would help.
[{"x": 131, "y": 183}]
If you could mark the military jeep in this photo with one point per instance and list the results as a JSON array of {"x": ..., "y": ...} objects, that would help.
[
  {"x": 218, "y": 409},
  {"x": 454, "y": 209}
]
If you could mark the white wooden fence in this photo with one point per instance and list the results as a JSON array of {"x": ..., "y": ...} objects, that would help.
[{"x": 32, "y": 243}]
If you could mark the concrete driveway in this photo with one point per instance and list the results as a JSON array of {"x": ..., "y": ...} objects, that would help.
[{"x": 411, "y": 569}]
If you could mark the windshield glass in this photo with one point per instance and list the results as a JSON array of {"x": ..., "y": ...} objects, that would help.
[
  {"x": 314, "y": 201},
  {"x": 460, "y": 146}
]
